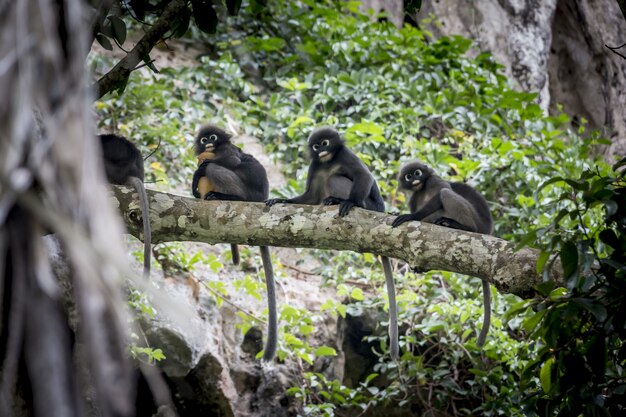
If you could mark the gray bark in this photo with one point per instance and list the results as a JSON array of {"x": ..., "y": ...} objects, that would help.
[
  {"x": 556, "y": 48},
  {"x": 48, "y": 171},
  {"x": 421, "y": 245}
]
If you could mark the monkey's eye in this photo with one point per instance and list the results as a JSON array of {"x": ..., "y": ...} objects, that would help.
[
  {"x": 418, "y": 173},
  {"x": 203, "y": 140},
  {"x": 315, "y": 147},
  {"x": 407, "y": 177},
  {"x": 213, "y": 138},
  {"x": 325, "y": 142}
]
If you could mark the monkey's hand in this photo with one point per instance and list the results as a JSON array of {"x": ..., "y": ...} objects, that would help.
[
  {"x": 273, "y": 201},
  {"x": 211, "y": 196},
  {"x": 331, "y": 201},
  {"x": 345, "y": 206},
  {"x": 403, "y": 219}
]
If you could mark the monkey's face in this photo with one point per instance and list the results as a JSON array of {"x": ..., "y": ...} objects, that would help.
[
  {"x": 209, "y": 138},
  {"x": 324, "y": 144},
  {"x": 413, "y": 176}
]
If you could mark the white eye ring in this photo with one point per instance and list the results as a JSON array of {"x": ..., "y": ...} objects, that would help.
[
  {"x": 213, "y": 137},
  {"x": 315, "y": 147},
  {"x": 203, "y": 140},
  {"x": 407, "y": 177},
  {"x": 418, "y": 173},
  {"x": 325, "y": 142}
]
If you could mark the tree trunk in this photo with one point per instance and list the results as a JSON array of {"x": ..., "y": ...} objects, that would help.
[{"x": 49, "y": 171}]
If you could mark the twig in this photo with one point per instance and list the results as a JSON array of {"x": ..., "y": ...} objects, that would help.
[
  {"x": 223, "y": 297},
  {"x": 615, "y": 48}
]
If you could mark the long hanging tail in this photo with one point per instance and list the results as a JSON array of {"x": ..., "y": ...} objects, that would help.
[
  {"x": 486, "y": 314},
  {"x": 394, "y": 348},
  {"x": 137, "y": 184},
  {"x": 272, "y": 319}
]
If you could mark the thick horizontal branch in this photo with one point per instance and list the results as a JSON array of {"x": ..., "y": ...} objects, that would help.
[{"x": 421, "y": 245}]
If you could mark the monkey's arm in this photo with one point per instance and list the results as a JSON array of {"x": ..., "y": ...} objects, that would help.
[
  {"x": 197, "y": 175},
  {"x": 308, "y": 197},
  {"x": 362, "y": 182},
  {"x": 214, "y": 195},
  {"x": 429, "y": 208}
]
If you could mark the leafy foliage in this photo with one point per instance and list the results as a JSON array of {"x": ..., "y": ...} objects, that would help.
[
  {"x": 581, "y": 328},
  {"x": 281, "y": 69}
]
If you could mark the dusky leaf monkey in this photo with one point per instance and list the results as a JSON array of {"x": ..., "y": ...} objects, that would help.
[
  {"x": 201, "y": 186},
  {"x": 123, "y": 165},
  {"x": 337, "y": 176},
  {"x": 450, "y": 204},
  {"x": 227, "y": 173}
]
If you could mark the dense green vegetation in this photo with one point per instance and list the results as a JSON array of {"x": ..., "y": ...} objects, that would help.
[{"x": 398, "y": 95}]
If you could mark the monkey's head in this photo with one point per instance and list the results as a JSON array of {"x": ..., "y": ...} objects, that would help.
[
  {"x": 413, "y": 176},
  {"x": 324, "y": 143},
  {"x": 210, "y": 138}
]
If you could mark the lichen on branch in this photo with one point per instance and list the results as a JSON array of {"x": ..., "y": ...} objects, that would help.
[{"x": 423, "y": 246}]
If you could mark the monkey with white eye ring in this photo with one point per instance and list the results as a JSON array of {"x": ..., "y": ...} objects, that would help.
[
  {"x": 338, "y": 176},
  {"x": 450, "y": 204},
  {"x": 228, "y": 173}
]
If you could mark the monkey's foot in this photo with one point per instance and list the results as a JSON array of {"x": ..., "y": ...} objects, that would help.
[
  {"x": 453, "y": 224},
  {"x": 210, "y": 196},
  {"x": 273, "y": 201},
  {"x": 331, "y": 201},
  {"x": 402, "y": 219},
  {"x": 345, "y": 206}
]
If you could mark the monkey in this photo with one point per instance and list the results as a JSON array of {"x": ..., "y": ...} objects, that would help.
[
  {"x": 338, "y": 177},
  {"x": 201, "y": 186},
  {"x": 123, "y": 165},
  {"x": 227, "y": 173},
  {"x": 449, "y": 204}
]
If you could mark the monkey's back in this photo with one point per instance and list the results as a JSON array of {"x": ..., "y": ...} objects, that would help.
[
  {"x": 254, "y": 175},
  {"x": 485, "y": 225},
  {"x": 374, "y": 201},
  {"x": 122, "y": 159}
]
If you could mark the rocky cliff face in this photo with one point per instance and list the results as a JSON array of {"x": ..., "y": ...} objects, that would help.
[{"x": 556, "y": 48}]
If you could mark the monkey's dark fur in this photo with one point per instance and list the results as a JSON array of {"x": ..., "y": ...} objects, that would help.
[
  {"x": 338, "y": 176},
  {"x": 235, "y": 175},
  {"x": 123, "y": 165},
  {"x": 450, "y": 204}
]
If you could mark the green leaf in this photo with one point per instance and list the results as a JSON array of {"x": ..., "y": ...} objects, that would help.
[
  {"x": 181, "y": 24},
  {"x": 530, "y": 324},
  {"x": 119, "y": 29},
  {"x": 357, "y": 294},
  {"x": 139, "y": 8},
  {"x": 305, "y": 357},
  {"x": 233, "y": 6},
  {"x": 204, "y": 15},
  {"x": 569, "y": 259},
  {"x": 325, "y": 351},
  {"x": 104, "y": 42},
  {"x": 541, "y": 261},
  {"x": 545, "y": 375}
]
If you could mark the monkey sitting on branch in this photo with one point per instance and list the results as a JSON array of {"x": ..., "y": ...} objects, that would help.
[
  {"x": 225, "y": 172},
  {"x": 123, "y": 165},
  {"x": 450, "y": 204},
  {"x": 338, "y": 176}
]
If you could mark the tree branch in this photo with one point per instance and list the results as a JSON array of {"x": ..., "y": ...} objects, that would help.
[
  {"x": 421, "y": 245},
  {"x": 118, "y": 76}
]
